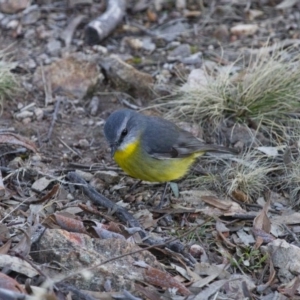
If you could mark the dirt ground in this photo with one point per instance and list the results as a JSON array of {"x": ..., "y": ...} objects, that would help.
[{"x": 163, "y": 41}]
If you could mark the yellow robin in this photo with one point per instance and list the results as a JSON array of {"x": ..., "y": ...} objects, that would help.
[{"x": 152, "y": 148}]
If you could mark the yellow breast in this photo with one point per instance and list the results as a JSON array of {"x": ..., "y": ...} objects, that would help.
[
  {"x": 126, "y": 158},
  {"x": 139, "y": 164}
]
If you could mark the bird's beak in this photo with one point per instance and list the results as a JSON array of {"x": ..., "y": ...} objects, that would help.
[{"x": 113, "y": 149}]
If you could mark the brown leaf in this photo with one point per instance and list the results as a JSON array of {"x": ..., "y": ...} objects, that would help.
[
  {"x": 103, "y": 233},
  {"x": 164, "y": 280},
  {"x": 24, "y": 245},
  {"x": 5, "y": 248},
  {"x": 290, "y": 289},
  {"x": 48, "y": 196},
  {"x": 10, "y": 284},
  {"x": 69, "y": 224},
  {"x": 266, "y": 237},
  {"x": 15, "y": 139},
  {"x": 262, "y": 220},
  {"x": 148, "y": 293},
  {"x": 240, "y": 196},
  {"x": 214, "y": 201},
  {"x": 272, "y": 274},
  {"x": 4, "y": 233}
]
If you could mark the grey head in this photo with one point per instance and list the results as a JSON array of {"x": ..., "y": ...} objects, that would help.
[{"x": 122, "y": 128}]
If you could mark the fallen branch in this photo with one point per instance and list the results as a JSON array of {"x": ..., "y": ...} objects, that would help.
[
  {"x": 102, "y": 26},
  {"x": 174, "y": 245}
]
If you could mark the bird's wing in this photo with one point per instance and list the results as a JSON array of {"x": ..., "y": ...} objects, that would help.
[{"x": 166, "y": 140}]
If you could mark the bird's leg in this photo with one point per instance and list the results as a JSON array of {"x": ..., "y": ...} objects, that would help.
[
  {"x": 132, "y": 188},
  {"x": 161, "y": 202}
]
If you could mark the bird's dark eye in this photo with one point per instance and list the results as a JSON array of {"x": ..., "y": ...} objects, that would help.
[{"x": 124, "y": 132}]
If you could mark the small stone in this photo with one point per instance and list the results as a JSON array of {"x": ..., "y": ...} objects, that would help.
[
  {"x": 97, "y": 183},
  {"x": 100, "y": 49},
  {"x": 24, "y": 114},
  {"x": 31, "y": 15},
  {"x": 26, "y": 121},
  {"x": 85, "y": 175},
  {"x": 179, "y": 52},
  {"x": 222, "y": 33},
  {"x": 13, "y": 24},
  {"x": 13, "y": 6},
  {"x": 70, "y": 197},
  {"x": 53, "y": 47},
  {"x": 5, "y": 21},
  {"x": 195, "y": 59},
  {"x": 196, "y": 251},
  {"x": 83, "y": 144},
  {"x": 148, "y": 44},
  {"x": 31, "y": 64},
  {"x": 39, "y": 113},
  {"x": 109, "y": 177},
  {"x": 36, "y": 158}
]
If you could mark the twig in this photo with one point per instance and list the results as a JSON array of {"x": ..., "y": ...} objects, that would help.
[
  {"x": 2, "y": 187},
  {"x": 47, "y": 87},
  {"x": 68, "y": 147},
  {"x": 68, "y": 32},
  {"x": 292, "y": 234},
  {"x": 57, "y": 104}
]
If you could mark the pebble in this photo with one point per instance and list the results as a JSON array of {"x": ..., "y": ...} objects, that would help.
[
  {"x": 26, "y": 121},
  {"x": 31, "y": 64},
  {"x": 97, "y": 183},
  {"x": 53, "y": 47},
  {"x": 195, "y": 59},
  {"x": 39, "y": 113},
  {"x": 31, "y": 15},
  {"x": 70, "y": 197},
  {"x": 107, "y": 176},
  {"x": 36, "y": 158},
  {"x": 84, "y": 144},
  {"x": 24, "y": 114},
  {"x": 100, "y": 49},
  {"x": 13, "y": 24},
  {"x": 29, "y": 33},
  {"x": 179, "y": 52},
  {"x": 85, "y": 175}
]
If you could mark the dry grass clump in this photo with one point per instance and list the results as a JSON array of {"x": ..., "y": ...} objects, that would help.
[
  {"x": 266, "y": 91},
  {"x": 290, "y": 180},
  {"x": 8, "y": 81},
  {"x": 247, "y": 175}
]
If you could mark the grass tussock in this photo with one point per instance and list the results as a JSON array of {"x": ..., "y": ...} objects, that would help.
[
  {"x": 291, "y": 180},
  {"x": 249, "y": 175},
  {"x": 8, "y": 81},
  {"x": 266, "y": 91}
]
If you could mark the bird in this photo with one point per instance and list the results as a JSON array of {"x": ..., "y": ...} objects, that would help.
[{"x": 151, "y": 148}]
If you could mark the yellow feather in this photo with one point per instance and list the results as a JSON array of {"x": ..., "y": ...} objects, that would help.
[{"x": 142, "y": 166}]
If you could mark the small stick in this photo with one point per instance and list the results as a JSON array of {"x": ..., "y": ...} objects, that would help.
[
  {"x": 57, "y": 104},
  {"x": 2, "y": 187}
]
